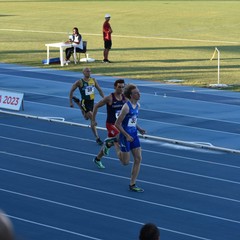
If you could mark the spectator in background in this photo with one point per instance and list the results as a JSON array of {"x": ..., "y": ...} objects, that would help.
[
  {"x": 6, "y": 229},
  {"x": 149, "y": 231},
  {"x": 75, "y": 38},
  {"x": 107, "y": 31},
  {"x": 86, "y": 86}
]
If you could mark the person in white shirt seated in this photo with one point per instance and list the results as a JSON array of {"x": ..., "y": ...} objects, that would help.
[{"x": 75, "y": 38}]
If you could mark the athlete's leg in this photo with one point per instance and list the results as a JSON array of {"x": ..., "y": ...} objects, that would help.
[
  {"x": 79, "y": 103},
  {"x": 105, "y": 53},
  {"x": 137, "y": 158},
  {"x": 123, "y": 151},
  {"x": 124, "y": 157},
  {"x": 93, "y": 127}
]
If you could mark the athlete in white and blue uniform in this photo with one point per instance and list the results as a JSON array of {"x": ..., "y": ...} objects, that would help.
[
  {"x": 128, "y": 138},
  {"x": 129, "y": 124}
]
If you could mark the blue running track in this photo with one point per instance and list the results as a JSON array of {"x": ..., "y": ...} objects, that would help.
[{"x": 51, "y": 189}]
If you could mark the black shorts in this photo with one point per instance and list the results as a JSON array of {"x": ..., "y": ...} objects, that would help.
[
  {"x": 107, "y": 44},
  {"x": 87, "y": 105}
]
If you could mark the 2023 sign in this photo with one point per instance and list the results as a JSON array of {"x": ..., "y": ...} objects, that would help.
[{"x": 10, "y": 100}]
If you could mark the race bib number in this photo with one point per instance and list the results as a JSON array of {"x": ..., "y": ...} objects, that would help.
[
  {"x": 132, "y": 122},
  {"x": 89, "y": 90},
  {"x": 117, "y": 113}
]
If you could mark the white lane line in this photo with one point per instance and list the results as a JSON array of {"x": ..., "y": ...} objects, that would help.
[
  {"x": 124, "y": 36},
  {"x": 94, "y": 212},
  {"x": 146, "y": 165},
  {"x": 52, "y": 227},
  {"x": 113, "y": 175}
]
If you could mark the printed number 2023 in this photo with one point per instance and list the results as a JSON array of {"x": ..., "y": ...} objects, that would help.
[{"x": 9, "y": 100}]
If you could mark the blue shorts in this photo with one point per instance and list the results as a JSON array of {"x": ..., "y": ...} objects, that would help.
[{"x": 126, "y": 146}]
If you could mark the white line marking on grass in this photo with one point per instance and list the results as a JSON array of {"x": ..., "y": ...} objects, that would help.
[
  {"x": 124, "y": 36},
  {"x": 178, "y": 39}
]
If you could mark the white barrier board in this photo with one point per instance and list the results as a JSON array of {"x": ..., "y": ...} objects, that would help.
[{"x": 10, "y": 100}]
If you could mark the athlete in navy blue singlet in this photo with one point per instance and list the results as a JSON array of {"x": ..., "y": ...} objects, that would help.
[
  {"x": 114, "y": 103},
  {"x": 129, "y": 124}
]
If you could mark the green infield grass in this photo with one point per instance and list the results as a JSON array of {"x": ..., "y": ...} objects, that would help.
[{"x": 152, "y": 40}]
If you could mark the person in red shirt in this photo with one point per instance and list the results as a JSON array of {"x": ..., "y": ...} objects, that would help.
[{"x": 107, "y": 31}]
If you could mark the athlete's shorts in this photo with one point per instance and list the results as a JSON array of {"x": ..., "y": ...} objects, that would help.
[
  {"x": 87, "y": 105},
  {"x": 112, "y": 130},
  {"x": 107, "y": 44},
  {"x": 126, "y": 146}
]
